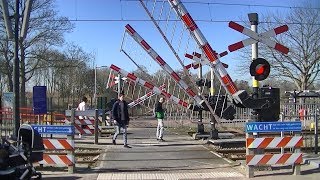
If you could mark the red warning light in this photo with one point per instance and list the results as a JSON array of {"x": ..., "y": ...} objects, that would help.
[{"x": 260, "y": 69}]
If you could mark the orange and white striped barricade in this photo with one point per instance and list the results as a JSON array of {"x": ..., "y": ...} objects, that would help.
[
  {"x": 89, "y": 125},
  {"x": 58, "y": 144},
  {"x": 284, "y": 158}
]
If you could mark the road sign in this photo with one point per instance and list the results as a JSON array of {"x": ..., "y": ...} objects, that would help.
[
  {"x": 51, "y": 129},
  {"x": 255, "y": 37},
  {"x": 39, "y": 99},
  {"x": 272, "y": 126}
]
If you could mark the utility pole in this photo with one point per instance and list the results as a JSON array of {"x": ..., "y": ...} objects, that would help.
[
  {"x": 253, "y": 18},
  {"x": 16, "y": 83}
]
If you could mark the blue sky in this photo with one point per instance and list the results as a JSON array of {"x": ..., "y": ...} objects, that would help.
[{"x": 103, "y": 38}]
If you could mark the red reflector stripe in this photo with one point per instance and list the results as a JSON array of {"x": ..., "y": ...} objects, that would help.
[
  {"x": 223, "y": 53},
  {"x": 167, "y": 95},
  {"x": 281, "y": 48},
  {"x": 225, "y": 65},
  {"x": 145, "y": 44},
  {"x": 148, "y": 85},
  {"x": 229, "y": 84},
  {"x": 196, "y": 66},
  {"x": 281, "y": 29},
  {"x": 131, "y": 76},
  {"x": 188, "y": 66},
  {"x": 130, "y": 29},
  {"x": 209, "y": 52},
  {"x": 175, "y": 76},
  {"x": 160, "y": 60},
  {"x": 115, "y": 68},
  {"x": 190, "y": 92},
  {"x": 189, "y": 22},
  {"x": 236, "y": 46},
  {"x": 188, "y": 56},
  {"x": 236, "y": 26},
  {"x": 197, "y": 54},
  {"x": 183, "y": 103}
]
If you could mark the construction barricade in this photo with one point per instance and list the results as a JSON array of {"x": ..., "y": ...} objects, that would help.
[
  {"x": 59, "y": 150},
  {"x": 255, "y": 146},
  {"x": 89, "y": 125}
]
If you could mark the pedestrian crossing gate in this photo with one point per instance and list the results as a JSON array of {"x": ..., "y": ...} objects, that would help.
[
  {"x": 256, "y": 146},
  {"x": 59, "y": 151},
  {"x": 88, "y": 124}
]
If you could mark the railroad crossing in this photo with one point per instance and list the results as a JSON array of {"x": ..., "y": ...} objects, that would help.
[{"x": 179, "y": 157}]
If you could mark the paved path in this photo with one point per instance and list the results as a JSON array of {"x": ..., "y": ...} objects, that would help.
[{"x": 179, "y": 157}]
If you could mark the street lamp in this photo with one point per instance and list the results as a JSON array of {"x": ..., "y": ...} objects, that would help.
[{"x": 95, "y": 82}]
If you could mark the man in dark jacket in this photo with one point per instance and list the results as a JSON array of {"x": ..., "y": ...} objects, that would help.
[
  {"x": 121, "y": 115},
  {"x": 159, "y": 113}
]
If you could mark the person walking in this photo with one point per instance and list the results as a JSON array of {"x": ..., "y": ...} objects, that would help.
[
  {"x": 121, "y": 115},
  {"x": 159, "y": 113},
  {"x": 82, "y": 107}
]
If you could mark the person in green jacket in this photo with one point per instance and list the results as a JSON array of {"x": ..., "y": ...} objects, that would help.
[{"x": 159, "y": 113}]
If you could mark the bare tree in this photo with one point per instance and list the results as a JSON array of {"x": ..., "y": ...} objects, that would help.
[
  {"x": 302, "y": 64},
  {"x": 45, "y": 30}
]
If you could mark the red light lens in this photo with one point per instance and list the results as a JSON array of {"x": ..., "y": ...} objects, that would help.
[{"x": 260, "y": 69}]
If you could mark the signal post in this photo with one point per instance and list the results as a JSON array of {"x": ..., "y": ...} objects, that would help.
[{"x": 253, "y": 18}]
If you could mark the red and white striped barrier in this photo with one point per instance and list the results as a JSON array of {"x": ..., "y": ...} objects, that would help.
[
  {"x": 84, "y": 126},
  {"x": 58, "y": 159},
  {"x": 64, "y": 160},
  {"x": 274, "y": 142},
  {"x": 156, "y": 57},
  {"x": 219, "y": 70},
  {"x": 143, "y": 98},
  {"x": 271, "y": 159},
  {"x": 63, "y": 144},
  {"x": 149, "y": 86},
  {"x": 255, "y": 37},
  {"x": 199, "y": 60}
]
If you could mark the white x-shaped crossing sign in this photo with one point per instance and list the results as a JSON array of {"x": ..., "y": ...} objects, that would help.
[{"x": 255, "y": 37}]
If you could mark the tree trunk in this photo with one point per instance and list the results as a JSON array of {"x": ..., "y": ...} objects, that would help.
[{"x": 22, "y": 76}]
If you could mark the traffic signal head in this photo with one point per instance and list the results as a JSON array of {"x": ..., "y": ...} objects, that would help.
[{"x": 260, "y": 69}]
